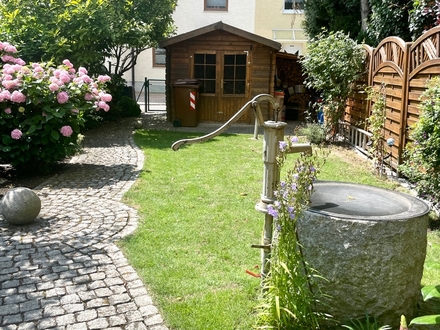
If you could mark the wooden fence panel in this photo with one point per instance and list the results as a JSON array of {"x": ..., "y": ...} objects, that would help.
[
  {"x": 424, "y": 63},
  {"x": 356, "y": 107},
  {"x": 389, "y": 68},
  {"x": 405, "y": 69}
]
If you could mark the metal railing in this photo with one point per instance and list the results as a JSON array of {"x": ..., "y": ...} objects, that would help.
[{"x": 150, "y": 92}]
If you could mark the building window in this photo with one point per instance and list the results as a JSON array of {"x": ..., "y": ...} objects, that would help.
[
  {"x": 159, "y": 57},
  {"x": 216, "y": 4},
  {"x": 293, "y": 5},
  {"x": 234, "y": 74},
  {"x": 205, "y": 71}
]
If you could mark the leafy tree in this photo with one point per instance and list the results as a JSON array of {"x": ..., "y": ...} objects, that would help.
[
  {"x": 389, "y": 18},
  {"x": 368, "y": 21},
  {"x": 137, "y": 26},
  {"x": 87, "y": 32},
  {"x": 332, "y": 65},
  {"x": 424, "y": 16},
  {"x": 331, "y": 15}
]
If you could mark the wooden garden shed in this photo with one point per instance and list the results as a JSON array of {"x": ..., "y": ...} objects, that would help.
[{"x": 230, "y": 66}]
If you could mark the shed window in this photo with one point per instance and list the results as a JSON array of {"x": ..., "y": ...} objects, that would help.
[
  {"x": 216, "y": 4},
  {"x": 293, "y": 4},
  {"x": 234, "y": 74},
  {"x": 205, "y": 71},
  {"x": 159, "y": 57}
]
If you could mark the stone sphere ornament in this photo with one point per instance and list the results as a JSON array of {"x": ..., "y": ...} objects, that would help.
[{"x": 20, "y": 206}]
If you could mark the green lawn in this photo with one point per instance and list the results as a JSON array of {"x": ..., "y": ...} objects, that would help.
[{"x": 198, "y": 222}]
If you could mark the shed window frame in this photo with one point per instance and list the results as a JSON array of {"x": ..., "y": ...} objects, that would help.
[
  {"x": 216, "y": 5},
  {"x": 224, "y": 78},
  {"x": 155, "y": 57},
  {"x": 206, "y": 71},
  {"x": 238, "y": 81}
]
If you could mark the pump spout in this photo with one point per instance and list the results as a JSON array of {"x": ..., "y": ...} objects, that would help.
[{"x": 252, "y": 104}]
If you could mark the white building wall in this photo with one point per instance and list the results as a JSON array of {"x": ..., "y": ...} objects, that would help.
[{"x": 190, "y": 15}]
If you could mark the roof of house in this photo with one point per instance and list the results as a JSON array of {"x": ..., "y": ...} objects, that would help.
[{"x": 223, "y": 27}]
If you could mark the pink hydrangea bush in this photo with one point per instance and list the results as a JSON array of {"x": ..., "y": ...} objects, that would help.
[{"x": 43, "y": 109}]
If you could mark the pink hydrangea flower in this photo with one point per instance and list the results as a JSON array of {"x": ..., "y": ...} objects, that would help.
[
  {"x": 5, "y": 95},
  {"x": 64, "y": 77},
  {"x": 55, "y": 80},
  {"x": 62, "y": 97},
  {"x": 10, "y": 49},
  {"x": 8, "y": 69},
  {"x": 18, "y": 97},
  {"x": 8, "y": 111},
  {"x": 10, "y": 84},
  {"x": 88, "y": 97},
  {"x": 103, "y": 78},
  {"x": 8, "y": 58},
  {"x": 104, "y": 106},
  {"x": 68, "y": 64},
  {"x": 38, "y": 68},
  {"x": 85, "y": 78},
  {"x": 66, "y": 131},
  {"x": 82, "y": 71},
  {"x": 16, "y": 134},
  {"x": 105, "y": 97},
  {"x": 6, "y": 76},
  {"x": 54, "y": 87},
  {"x": 19, "y": 61}
]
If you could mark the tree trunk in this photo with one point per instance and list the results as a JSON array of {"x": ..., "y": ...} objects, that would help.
[{"x": 365, "y": 11}]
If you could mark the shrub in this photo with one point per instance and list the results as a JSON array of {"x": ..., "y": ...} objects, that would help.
[
  {"x": 43, "y": 108},
  {"x": 129, "y": 107},
  {"x": 315, "y": 133},
  {"x": 333, "y": 63},
  {"x": 422, "y": 156}
]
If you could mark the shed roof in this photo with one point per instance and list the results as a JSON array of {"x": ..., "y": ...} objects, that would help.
[{"x": 223, "y": 27}]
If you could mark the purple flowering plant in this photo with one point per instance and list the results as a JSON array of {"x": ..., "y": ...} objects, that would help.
[
  {"x": 290, "y": 287},
  {"x": 43, "y": 109}
]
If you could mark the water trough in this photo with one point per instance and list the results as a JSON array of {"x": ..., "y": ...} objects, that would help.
[{"x": 370, "y": 245}]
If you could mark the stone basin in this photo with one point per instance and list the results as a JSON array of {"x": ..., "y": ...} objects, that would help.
[{"x": 370, "y": 245}]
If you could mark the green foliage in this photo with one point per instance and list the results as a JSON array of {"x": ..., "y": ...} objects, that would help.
[
  {"x": 290, "y": 291},
  {"x": 388, "y": 18},
  {"x": 429, "y": 292},
  {"x": 424, "y": 16},
  {"x": 422, "y": 157},
  {"x": 340, "y": 15},
  {"x": 376, "y": 123},
  {"x": 314, "y": 132},
  {"x": 54, "y": 30},
  {"x": 400, "y": 18},
  {"x": 365, "y": 324},
  {"x": 86, "y": 31},
  {"x": 332, "y": 65},
  {"x": 130, "y": 108},
  {"x": 43, "y": 109}
]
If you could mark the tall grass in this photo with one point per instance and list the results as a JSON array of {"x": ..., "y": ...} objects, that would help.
[{"x": 198, "y": 221}]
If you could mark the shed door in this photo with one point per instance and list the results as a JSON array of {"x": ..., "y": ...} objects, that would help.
[{"x": 224, "y": 83}]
